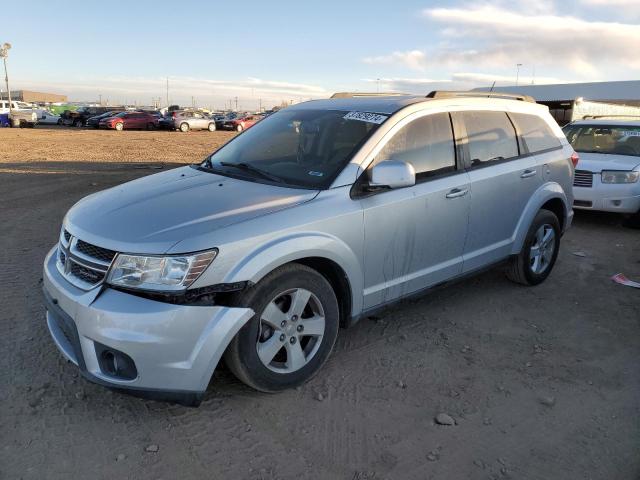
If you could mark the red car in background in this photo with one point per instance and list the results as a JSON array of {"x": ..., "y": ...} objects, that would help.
[
  {"x": 242, "y": 123},
  {"x": 130, "y": 120}
]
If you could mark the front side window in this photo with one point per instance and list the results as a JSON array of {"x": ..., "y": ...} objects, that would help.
[
  {"x": 490, "y": 136},
  {"x": 535, "y": 132},
  {"x": 613, "y": 139},
  {"x": 304, "y": 148},
  {"x": 426, "y": 143}
]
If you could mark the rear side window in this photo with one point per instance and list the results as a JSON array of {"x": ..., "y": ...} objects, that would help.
[
  {"x": 426, "y": 143},
  {"x": 535, "y": 132},
  {"x": 491, "y": 137}
]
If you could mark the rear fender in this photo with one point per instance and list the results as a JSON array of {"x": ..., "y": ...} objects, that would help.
[{"x": 542, "y": 195}]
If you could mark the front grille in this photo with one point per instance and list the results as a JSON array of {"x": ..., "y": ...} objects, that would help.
[
  {"x": 81, "y": 263},
  {"x": 583, "y": 178},
  {"x": 85, "y": 274},
  {"x": 92, "y": 251}
]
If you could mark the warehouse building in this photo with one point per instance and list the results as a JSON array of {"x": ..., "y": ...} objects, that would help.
[
  {"x": 572, "y": 101},
  {"x": 34, "y": 97}
]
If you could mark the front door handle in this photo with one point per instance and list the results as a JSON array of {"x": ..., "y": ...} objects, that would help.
[
  {"x": 457, "y": 192},
  {"x": 528, "y": 173}
]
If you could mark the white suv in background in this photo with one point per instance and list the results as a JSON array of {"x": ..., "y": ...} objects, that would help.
[{"x": 608, "y": 173}]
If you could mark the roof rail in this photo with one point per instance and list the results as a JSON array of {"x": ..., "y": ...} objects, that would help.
[
  {"x": 454, "y": 93},
  {"x": 594, "y": 117},
  {"x": 366, "y": 94}
]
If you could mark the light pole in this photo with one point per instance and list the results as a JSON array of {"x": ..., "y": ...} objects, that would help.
[
  {"x": 377, "y": 85},
  {"x": 4, "y": 53},
  {"x": 518, "y": 65}
]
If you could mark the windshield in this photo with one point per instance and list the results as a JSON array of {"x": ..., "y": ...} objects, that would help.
[
  {"x": 306, "y": 148},
  {"x": 614, "y": 139}
]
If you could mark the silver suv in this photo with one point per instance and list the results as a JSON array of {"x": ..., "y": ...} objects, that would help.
[{"x": 319, "y": 215}]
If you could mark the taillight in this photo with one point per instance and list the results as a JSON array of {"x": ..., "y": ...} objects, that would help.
[{"x": 575, "y": 158}]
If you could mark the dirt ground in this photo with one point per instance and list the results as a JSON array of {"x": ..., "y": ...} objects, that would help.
[{"x": 543, "y": 383}]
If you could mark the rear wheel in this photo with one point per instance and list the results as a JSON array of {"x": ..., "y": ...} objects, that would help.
[
  {"x": 292, "y": 334},
  {"x": 539, "y": 252},
  {"x": 119, "y": 126},
  {"x": 212, "y": 127},
  {"x": 59, "y": 122},
  {"x": 184, "y": 127},
  {"x": 239, "y": 128},
  {"x": 151, "y": 126},
  {"x": 77, "y": 123}
]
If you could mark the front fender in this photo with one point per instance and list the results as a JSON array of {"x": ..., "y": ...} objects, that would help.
[
  {"x": 547, "y": 191},
  {"x": 296, "y": 246}
]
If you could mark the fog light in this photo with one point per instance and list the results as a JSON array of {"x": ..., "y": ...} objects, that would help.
[{"x": 114, "y": 363}]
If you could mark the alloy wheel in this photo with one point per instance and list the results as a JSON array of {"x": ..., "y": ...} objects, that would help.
[
  {"x": 542, "y": 249},
  {"x": 291, "y": 329}
]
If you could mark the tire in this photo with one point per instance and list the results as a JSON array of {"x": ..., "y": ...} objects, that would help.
[
  {"x": 184, "y": 127},
  {"x": 527, "y": 268},
  {"x": 119, "y": 126},
  {"x": 59, "y": 122},
  {"x": 151, "y": 126},
  {"x": 239, "y": 128},
  {"x": 212, "y": 127},
  {"x": 77, "y": 123},
  {"x": 287, "y": 368}
]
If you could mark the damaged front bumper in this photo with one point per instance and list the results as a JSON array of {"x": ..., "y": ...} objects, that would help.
[{"x": 148, "y": 347}]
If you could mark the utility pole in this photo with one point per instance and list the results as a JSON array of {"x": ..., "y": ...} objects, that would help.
[
  {"x": 518, "y": 65},
  {"x": 236, "y": 104},
  {"x": 4, "y": 53},
  {"x": 377, "y": 85},
  {"x": 100, "y": 97},
  {"x": 167, "y": 92}
]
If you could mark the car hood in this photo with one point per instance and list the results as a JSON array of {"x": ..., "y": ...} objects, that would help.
[
  {"x": 151, "y": 214},
  {"x": 596, "y": 162}
]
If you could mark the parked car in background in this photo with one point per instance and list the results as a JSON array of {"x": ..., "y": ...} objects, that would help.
[
  {"x": 49, "y": 118},
  {"x": 129, "y": 121},
  {"x": 23, "y": 118},
  {"x": 95, "y": 121},
  {"x": 607, "y": 177},
  {"x": 185, "y": 120},
  {"x": 312, "y": 219},
  {"x": 79, "y": 117},
  {"x": 242, "y": 123}
]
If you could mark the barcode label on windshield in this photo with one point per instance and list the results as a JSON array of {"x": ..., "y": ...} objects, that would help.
[{"x": 365, "y": 117}]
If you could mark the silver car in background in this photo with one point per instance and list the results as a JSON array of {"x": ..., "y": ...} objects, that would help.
[
  {"x": 315, "y": 217},
  {"x": 185, "y": 120},
  {"x": 607, "y": 177}
]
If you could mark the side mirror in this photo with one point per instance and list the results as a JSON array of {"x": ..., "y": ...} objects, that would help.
[{"x": 393, "y": 174}]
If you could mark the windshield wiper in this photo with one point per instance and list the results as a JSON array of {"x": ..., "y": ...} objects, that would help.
[{"x": 250, "y": 168}]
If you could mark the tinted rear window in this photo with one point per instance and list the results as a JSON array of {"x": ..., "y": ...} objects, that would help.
[{"x": 535, "y": 132}]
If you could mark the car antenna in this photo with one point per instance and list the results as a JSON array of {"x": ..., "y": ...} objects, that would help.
[{"x": 491, "y": 89}]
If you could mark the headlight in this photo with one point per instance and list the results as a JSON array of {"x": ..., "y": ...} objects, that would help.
[
  {"x": 171, "y": 273},
  {"x": 613, "y": 176}
]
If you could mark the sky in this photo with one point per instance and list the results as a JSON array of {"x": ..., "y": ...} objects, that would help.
[{"x": 269, "y": 52}]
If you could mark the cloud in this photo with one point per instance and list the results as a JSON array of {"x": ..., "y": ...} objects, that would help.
[
  {"x": 503, "y": 37},
  {"x": 407, "y": 85},
  {"x": 413, "y": 59},
  {"x": 481, "y": 79}
]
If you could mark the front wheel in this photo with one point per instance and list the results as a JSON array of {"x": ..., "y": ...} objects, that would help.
[
  {"x": 239, "y": 128},
  {"x": 78, "y": 123},
  {"x": 119, "y": 126},
  {"x": 151, "y": 126},
  {"x": 212, "y": 127},
  {"x": 539, "y": 252},
  {"x": 292, "y": 333}
]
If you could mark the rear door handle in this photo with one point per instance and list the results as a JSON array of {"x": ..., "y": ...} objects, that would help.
[
  {"x": 457, "y": 192},
  {"x": 528, "y": 173}
]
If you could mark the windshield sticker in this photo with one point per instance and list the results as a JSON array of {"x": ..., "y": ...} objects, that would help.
[
  {"x": 631, "y": 133},
  {"x": 315, "y": 174},
  {"x": 365, "y": 117}
]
